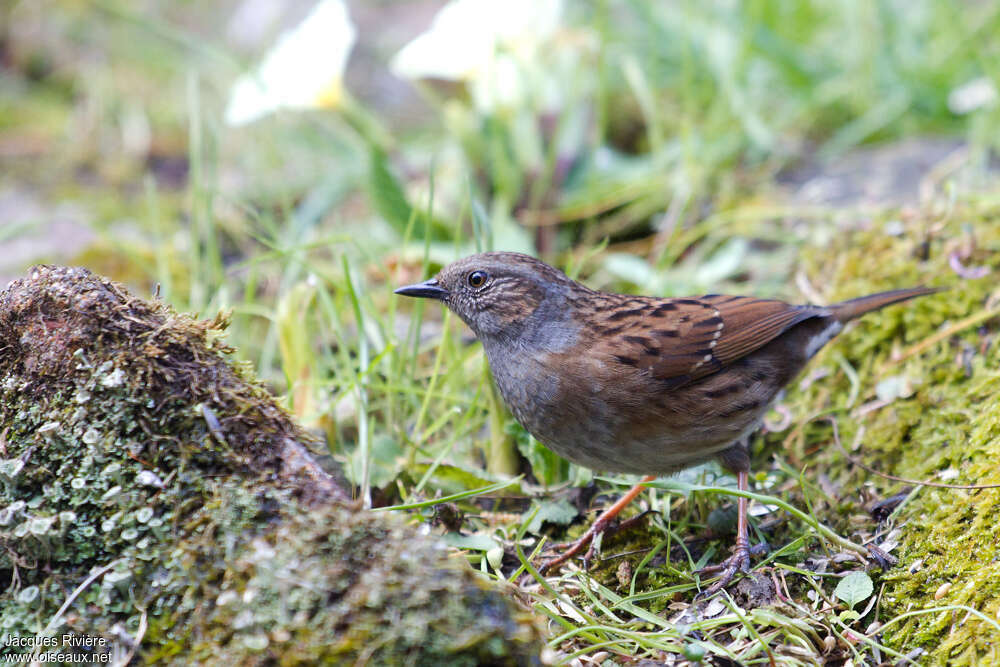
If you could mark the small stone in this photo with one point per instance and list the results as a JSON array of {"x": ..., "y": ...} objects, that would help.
[
  {"x": 243, "y": 620},
  {"x": 942, "y": 590}
]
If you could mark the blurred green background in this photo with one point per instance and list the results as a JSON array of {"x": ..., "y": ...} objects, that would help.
[
  {"x": 656, "y": 147},
  {"x": 661, "y": 147}
]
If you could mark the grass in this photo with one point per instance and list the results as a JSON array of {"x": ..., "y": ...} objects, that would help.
[{"x": 656, "y": 173}]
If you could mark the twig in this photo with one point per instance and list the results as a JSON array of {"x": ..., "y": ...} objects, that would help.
[
  {"x": 136, "y": 641},
  {"x": 961, "y": 325}
]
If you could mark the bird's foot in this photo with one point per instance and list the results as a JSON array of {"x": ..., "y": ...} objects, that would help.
[
  {"x": 738, "y": 562},
  {"x": 604, "y": 525},
  {"x": 573, "y": 548}
]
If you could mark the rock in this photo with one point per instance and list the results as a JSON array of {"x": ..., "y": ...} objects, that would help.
[{"x": 157, "y": 492}]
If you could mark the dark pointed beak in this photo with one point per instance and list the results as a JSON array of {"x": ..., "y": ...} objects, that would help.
[{"x": 429, "y": 289}]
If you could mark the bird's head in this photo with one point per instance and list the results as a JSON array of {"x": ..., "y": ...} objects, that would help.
[{"x": 500, "y": 295}]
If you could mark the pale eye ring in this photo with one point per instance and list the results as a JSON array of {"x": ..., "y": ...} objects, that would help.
[{"x": 477, "y": 278}]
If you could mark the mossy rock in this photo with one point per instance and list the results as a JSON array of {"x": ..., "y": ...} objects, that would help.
[
  {"x": 944, "y": 350},
  {"x": 156, "y": 498}
]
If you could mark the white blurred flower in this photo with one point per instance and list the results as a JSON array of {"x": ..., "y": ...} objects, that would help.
[
  {"x": 976, "y": 94},
  {"x": 304, "y": 69},
  {"x": 491, "y": 46}
]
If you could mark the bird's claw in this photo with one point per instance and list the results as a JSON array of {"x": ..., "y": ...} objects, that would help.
[{"x": 738, "y": 562}]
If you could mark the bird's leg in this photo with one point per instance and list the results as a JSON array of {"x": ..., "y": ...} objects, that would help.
[
  {"x": 740, "y": 560},
  {"x": 599, "y": 526}
]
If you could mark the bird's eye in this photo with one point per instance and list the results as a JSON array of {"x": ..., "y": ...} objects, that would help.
[{"x": 477, "y": 278}]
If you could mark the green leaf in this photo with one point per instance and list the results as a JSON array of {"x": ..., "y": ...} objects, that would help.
[
  {"x": 387, "y": 194},
  {"x": 848, "y": 616},
  {"x": 448, "y": 478},
  {"x": 388, "y": 459},
  {"x": 492, "y": 488},
  {"x": 559, "y": 511},
  {"x": 856, "y": 587},
  {"x": 475, "y": 542},
  {"x": 389, "y": 200},
  {"x": 629, "y": 268},
  {"x": 547, "y": 466},
  {"x": 724, "y": 263},
  {"x": 511, "y": 236},
  {"x": 694, "y": 652}
]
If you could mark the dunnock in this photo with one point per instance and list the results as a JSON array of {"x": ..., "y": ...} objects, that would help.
[{"x": 637, "y": 384}]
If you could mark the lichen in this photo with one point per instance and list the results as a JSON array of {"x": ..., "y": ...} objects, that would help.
[{"x": 135, "y": 450}]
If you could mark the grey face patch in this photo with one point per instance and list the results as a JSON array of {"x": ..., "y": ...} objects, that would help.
[{"x": 549, "y": 328}]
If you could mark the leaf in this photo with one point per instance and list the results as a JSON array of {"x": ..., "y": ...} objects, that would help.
[
  {"x": 547, "y": 466},
  {"x": 848, "y": 616},
  {"x": 295, "y": 345},
  {"x": 724, "y": 263},
  {"x": 629, "y": 268},
  {"x": 448, "y": 478},
  {"x": 475, "y": 542},
  {"x": 854, "y": 588},
  {"x": 387, "y": 461},
  {"x": 470, "y": 493},
  {"x": 511, "y": 236},
  {"x": 559, "y": 511},
  {"x": 389, "y": 201},
  {"x": 386, "y": 192}
]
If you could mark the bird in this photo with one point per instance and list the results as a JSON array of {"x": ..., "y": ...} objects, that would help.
[{"x": 637, "y": 384}]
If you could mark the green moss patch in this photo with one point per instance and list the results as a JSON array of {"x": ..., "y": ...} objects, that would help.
[{"x": 944, "y": 427}]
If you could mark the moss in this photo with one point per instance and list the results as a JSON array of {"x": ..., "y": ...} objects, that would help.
[
  {"x": 951, "y": 422},
  {"x": 135, "y": 450}
]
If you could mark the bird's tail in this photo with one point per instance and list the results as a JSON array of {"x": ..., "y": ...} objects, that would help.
[{"x": 848, "y": 310}]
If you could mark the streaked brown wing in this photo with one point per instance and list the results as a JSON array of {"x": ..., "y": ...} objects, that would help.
[
  {"x": 751, "y": 323},
  {"x": 681, "y": 340}
]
